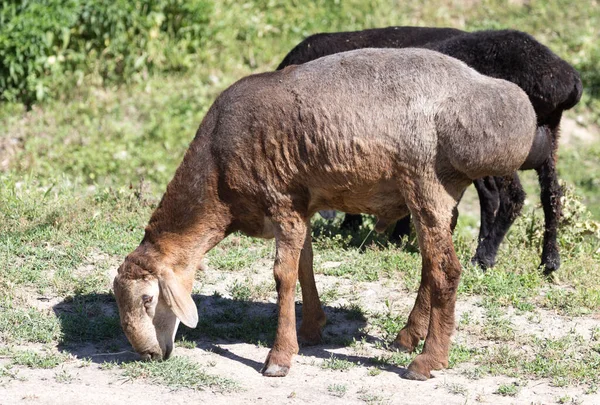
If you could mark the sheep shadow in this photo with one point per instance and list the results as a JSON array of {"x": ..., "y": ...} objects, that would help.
[{"x": 90, "y": 329}]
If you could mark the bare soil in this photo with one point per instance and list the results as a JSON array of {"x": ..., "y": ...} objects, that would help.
[{"x": 307, "y": 381}]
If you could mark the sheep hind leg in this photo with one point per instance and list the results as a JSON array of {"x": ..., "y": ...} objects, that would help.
[
  {"x": 290, "y": 234},
  {"x": 551, "y": 193},
  {"x": 313, "y": 316},
  {"x": 512, "y": 198},
  {"x": 441, "y": 275},
  {"x": 489, "y": 201}
]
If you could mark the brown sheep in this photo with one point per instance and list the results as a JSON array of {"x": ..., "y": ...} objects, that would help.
[{"x": 379, "y": 131}]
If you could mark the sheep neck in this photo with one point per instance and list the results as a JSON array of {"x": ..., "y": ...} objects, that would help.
[{"x": 190, "y": 218}]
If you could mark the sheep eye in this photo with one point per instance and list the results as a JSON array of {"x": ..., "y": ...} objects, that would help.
[{"x": 147, "y": 299}]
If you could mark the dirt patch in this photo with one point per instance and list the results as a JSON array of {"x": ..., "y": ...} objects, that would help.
[{"x": 240, "y": 359}]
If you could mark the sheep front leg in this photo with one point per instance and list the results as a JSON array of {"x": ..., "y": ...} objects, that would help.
[
  {"x": 441, "y": 275},
  {"x": 290, "y": 234},
  {"x": 313, "y": 316}
]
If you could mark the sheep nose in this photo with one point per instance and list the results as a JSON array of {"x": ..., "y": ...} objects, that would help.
[{"x": 168, "y": 351}]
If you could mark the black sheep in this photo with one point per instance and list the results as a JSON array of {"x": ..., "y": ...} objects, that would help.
[{"x": 551, "y": 84}]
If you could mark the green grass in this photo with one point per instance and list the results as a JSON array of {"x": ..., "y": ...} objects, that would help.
[
  {"x": 177, "y": 372},
  {"x": 337, "y": 364},
  {"x": 337, "y": 390},
  {"x": 566, "y": 361},
  {"x": 27, "y": 325},
  {"x": 508, "y": 390},
  {"x": 34, "y": 359}
]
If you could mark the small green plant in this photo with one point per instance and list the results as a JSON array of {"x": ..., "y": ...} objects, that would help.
[
  {"x": 240, "y": 291},
  {"x": 63, "y": 377},
  {"x": 455, "y": 388},
  {"x": 33, "y": 359},
  {"x": 8, "y": 372},
  {"x": 510, "y": 390},
  {"x": 374, "y": 371},
  {"x": 335, "y": 363},
  {"x": 337, "y": 390},
  {"x": 177, "y": 372},
  {"x": 187, "y": 344}
]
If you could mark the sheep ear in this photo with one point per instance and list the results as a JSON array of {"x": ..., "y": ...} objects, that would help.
[{"x": 180, "y": 302}]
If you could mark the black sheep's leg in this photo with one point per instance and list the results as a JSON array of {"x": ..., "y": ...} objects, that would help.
[
  {"x": 351, "y": 222},
  {"x": 489, "y": 202},
  {"x": 401, "y": 229},
  {"x": 511, "y": 197},
  {"x": 551, "y": 193}
]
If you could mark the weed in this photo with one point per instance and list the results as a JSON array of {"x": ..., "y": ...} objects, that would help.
[
  {"x": 63, "y": 377},
  {"x": 510, "y": 390},
  {"x": 187, "y": 344},
  {"x": 177, "y": 372},
  {"x": 337, "y": 390},
  {"x": 455, "y": 388},
  {"x": 34, "y": 359},
  {"x": 337, "y": 364}
]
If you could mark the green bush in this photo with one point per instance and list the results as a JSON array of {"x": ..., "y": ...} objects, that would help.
[{"x": 45, "y": 45}]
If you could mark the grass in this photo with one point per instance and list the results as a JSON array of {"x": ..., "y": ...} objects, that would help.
[
  {"x": 455, "y": 388},
  {"x": 337, "y": 390},
  {"x": 565, "y": 361},
  {"x": 176, "y": 373},
  {"x": 508, "y": 390},
  {"x": 20, "y": 325},
  {"x": 337, "y": 364},
  {"x": 87, "y": 171},
  {"x": 34, "y": 359}
]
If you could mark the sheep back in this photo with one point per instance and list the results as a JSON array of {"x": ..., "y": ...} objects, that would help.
[{"x": 368, "y": 116}]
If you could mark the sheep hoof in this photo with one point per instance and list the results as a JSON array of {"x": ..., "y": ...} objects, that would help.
[
  {"x": 483, "y": 264},
  {"x": 277, "y": 364},
  {"x": 275, "y": 370},
  {"x": 550, "y": 267},
  {"x": 414, "y": 376}
]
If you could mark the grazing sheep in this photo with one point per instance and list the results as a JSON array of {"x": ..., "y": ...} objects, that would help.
[
  {"x": 551, "y": 84},
  {"x": 380, "y": 131}
]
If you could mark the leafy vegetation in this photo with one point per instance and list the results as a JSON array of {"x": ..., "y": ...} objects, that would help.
[
  {"x": 46, "y": 46},
  {"x": 178, "y": 372}
]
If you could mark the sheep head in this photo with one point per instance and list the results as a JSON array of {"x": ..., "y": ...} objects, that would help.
[{"x": 151, "y": 303}]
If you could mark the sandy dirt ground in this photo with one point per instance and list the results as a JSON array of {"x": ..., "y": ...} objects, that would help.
[{"x": 307, "y": 382}]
